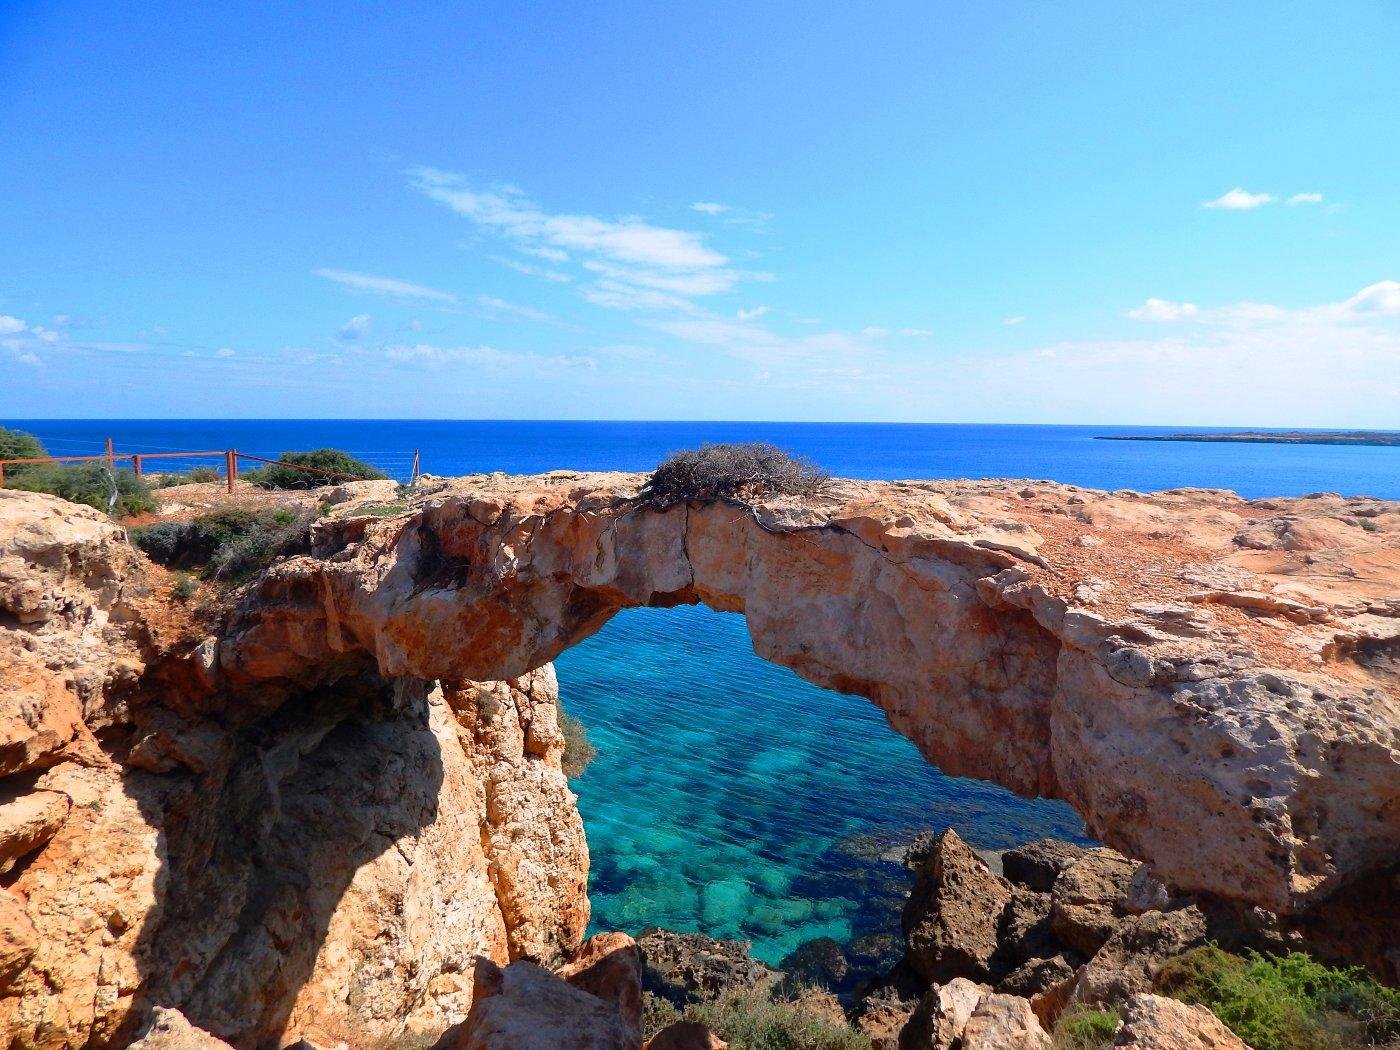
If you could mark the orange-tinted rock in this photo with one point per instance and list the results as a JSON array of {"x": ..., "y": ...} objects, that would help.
[
  {"x": 1152, "y": 1022},
  {"x": 685, "y": 1035},
  {"x": 1243, "y": 752}
]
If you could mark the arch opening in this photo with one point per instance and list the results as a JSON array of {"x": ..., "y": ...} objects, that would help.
[{"x": 731, "y": 797}]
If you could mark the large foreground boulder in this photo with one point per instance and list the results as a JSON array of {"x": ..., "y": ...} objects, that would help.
[
  {"x": 952, "y": 916},
  {"x": 1154, "y": 1022}
]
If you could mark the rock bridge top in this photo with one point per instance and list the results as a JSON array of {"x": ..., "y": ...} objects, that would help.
[{"x": 1211, "y": 682}]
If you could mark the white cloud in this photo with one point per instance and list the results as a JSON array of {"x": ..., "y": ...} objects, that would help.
[
  {"x": 710, "y": 208},
  {"x": 387, "y": 286},
  {"x": 487, "y": 358},
  {"x": 355, "y": 328},
  {"x": 751, "y": 315},
  {"x": 1164, "y": 310},
  {"x": 1305, "y": 198},
  {"x": 226, "y": 351},
  {"x": 700, "y": 282},
  {"x": 876, "y": 332},
  {"x": 536, "y": 271},
  {"x": 11, "y": 325},
  {"x": 527, "y": 313},
  {"x": 510, "y": 214},
  {"x": 1239, "y": 200},
  {"x": 1013, "y": 321}
]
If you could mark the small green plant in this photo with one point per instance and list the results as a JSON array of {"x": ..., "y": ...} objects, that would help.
[
  {"x": 232, "y": 544},
  {"x": 308, "y": 470},
  {"x": 749, "y": 1020},
  {"x": 1288, "y": 1002},
  {"x": 17, "y": 444},
  {"x": 657, "y": 1013},
  {"x": 745, "y": 471},
  {"x": 1081, "y": 1028},
  {"x": 1368, "y": 525},
  {"x": 578, "y": 749},
  {"x": 118, "y": 492},
  {"x": 381, "y": 510},
  {"x": 185, "y": 587}
]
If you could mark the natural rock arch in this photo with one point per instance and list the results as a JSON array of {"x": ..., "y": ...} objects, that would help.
[{"x": 1015, "y": 633}]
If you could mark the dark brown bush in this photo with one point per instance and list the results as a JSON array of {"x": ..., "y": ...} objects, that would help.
[{"x": 732, "y": 471}]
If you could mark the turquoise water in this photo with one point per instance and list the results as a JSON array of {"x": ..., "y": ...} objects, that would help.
[
  {"x": 733, "y": 798},
  {"x": 729, "y": 796}
]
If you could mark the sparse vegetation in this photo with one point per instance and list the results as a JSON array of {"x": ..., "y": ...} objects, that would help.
[
  {"x": 741, "y": 471},
  {"x": 657, "y": 1013},
  {"x": 231, "y": 544},
  {"x": 578, "y": 749},
  {"x": 1080, "y": 1028},
  {"x": 382, "y": 510},
  {"x": 118, "y": 492},
  {"x": 1289, "y": 1002},
  {"x": 185, "y": 587},
  {"x": 197, "y": 476},
  {"x": 749, "y": 1020},
  {"x": 323, "y": 466},
  {"x": 17, "y": 444}
]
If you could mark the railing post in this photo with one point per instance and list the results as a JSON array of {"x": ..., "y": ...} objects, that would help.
[
  {"x": 2, "y": 475},
  {"x": 417, "y": 468},
  {"x": 230, "y": 467},
  {"x": 111, "y": 459},
  {"x": 136, "y": 465}
]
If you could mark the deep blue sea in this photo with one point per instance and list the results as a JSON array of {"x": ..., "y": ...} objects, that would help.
[{"x": 728, "y": 795}]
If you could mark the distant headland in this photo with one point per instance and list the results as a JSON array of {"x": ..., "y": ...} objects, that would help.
[{"x": 1278, "y": 437}]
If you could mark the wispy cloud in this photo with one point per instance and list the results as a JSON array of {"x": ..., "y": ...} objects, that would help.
[
  {"x": 1163, "y": 310},
  {"x": 530, "y": 270},
  {"x": 1011, "y": 322},
  {"x": 488, "y": 358},
  {"x": 732, "y": 216},
  {"x": 1305, "y": 198},
  {"x": 1239, "y": 200},
  {"x": 878, "y": 332},
  {"x": 355, "y": 328},
  {"x": 710, "y": 207},
  {"x": 526, "y": 313},
  {"x": 751, "y": 315},
  {"x": 1375, "y": 302},
  {"x": 626, "y": 240},
  {"x": 391, "y": 287}
]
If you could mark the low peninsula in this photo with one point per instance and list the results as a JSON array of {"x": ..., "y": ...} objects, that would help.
[{"x": 1274, "y": 437}]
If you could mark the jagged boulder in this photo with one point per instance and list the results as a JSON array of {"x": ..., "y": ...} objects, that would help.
[
  {"x": 1154, "y": 1022},
  {"x": 685, "y": 1035},
  {"x": 1128, "y": 961},
  {"x": 952, "y": 917},
  {"x": 1036, "y": 975},
  {"x": 525, "y": 1007},
  {"x": 937, "y": 1023},
  {"x": 1003, "y": 1021},
  {"x": 169, "y": 1030},
  {"x": 1088, "y": 899},
  {"x": 684, "y": 967},
  {"x": 1037, "y": 865}
]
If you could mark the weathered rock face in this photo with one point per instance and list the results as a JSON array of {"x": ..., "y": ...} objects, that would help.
[
  {"x": 953, "y": 913},
  {"x": 329, "y": 862},
  {"x": 1206, "y": 693}
]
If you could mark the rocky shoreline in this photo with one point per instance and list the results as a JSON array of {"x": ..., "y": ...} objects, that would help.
[{"x": 327, "y": 805}]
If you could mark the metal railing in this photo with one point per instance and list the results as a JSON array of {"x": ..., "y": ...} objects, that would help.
[{"x": 230, "y": 457}]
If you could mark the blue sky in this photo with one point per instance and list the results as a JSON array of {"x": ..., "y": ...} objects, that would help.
[{"x": 1079, "y": 212}]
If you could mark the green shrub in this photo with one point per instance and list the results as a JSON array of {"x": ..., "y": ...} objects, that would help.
[
  {"x": 1289, "y": 1002},
  {"x": 119, "y": 492},
  {"x": 1080, "y": 1028},
  {"x": 186, "y": 587},
  {"x": 657, "y": 1013},
  {"x": 750, "y": 1020},
  {"x": 324, "y": 466},
  {"x": 230, "y": 544},
  {"x": 197, "y": 476},
  {"x": 578, "y": 749},
  {"x": 742, "y": 471},
  {"x": 16, "y": 444}
]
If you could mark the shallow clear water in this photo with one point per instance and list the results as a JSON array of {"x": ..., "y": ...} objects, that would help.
[{"x": 729, "y": 796}]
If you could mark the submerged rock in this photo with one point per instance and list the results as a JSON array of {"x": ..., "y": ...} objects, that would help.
[{"x": 685, "y": 967}]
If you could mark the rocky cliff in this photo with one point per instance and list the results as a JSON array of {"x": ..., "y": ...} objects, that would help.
[
  {"x": 314, "y": 807},
  {"x": 1211, "y": 682},
  {"x": 328, "y": 862}
]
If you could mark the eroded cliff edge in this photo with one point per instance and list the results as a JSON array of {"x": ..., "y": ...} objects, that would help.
[
  {"x": 310, "y": 811},
  {"x": 1213, "y": 683}
]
